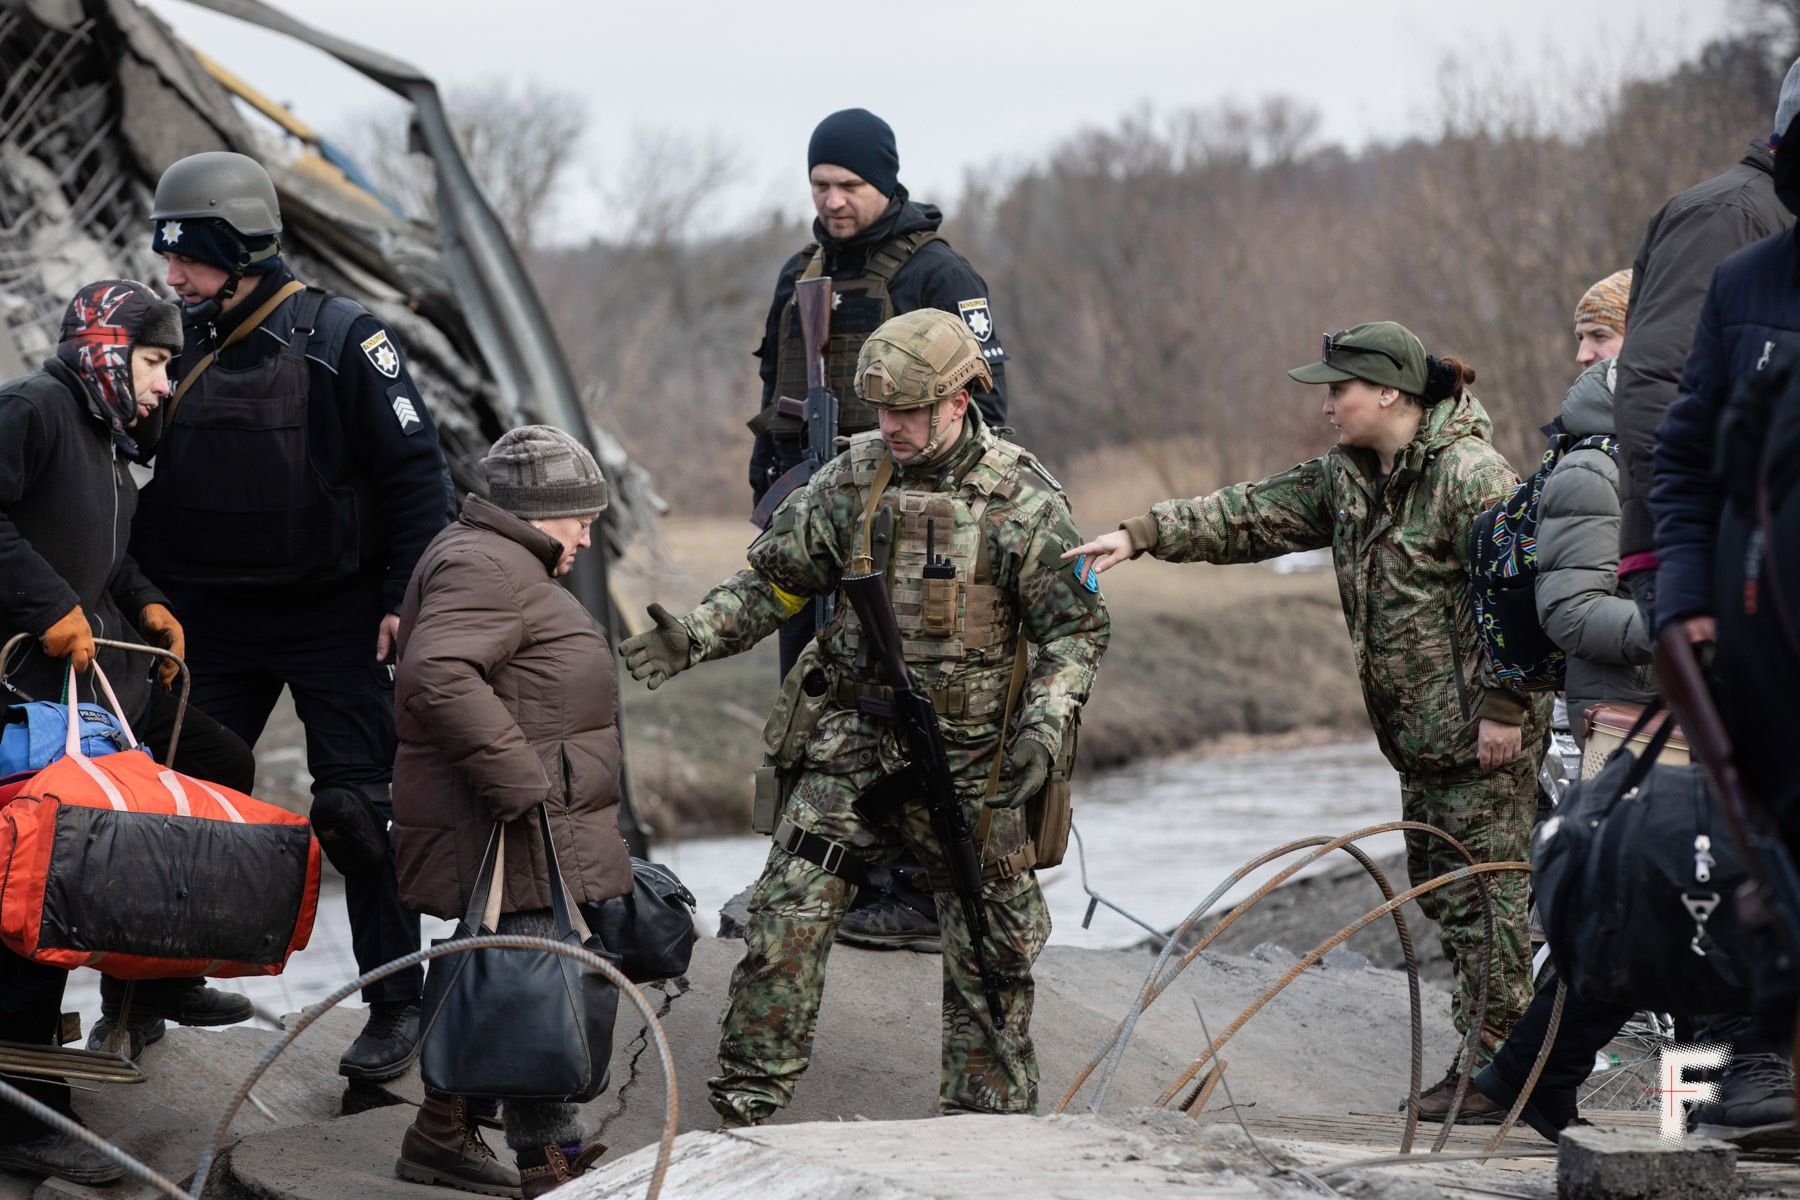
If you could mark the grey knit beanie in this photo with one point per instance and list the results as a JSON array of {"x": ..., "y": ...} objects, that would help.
[
  {"x": 540, "y": 471},
  {"x": 1789, "y": 104}
]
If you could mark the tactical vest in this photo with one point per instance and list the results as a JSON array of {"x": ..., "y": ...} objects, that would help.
[
  {"x": 859, "y": 306},
  {"x": 236, "y": 500},
  {"x": 959, "y": 635}
]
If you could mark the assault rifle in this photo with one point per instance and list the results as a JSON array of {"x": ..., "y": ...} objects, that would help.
[
  {"x": 917, "y": 724},
  {"x": 812, "y": 300},
  {"x": 1683, "y": 684}
]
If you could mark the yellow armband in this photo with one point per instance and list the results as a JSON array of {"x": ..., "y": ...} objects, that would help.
[{"x": 789, "y": 601}]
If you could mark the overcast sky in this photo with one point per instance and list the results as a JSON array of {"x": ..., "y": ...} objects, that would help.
[{"x": 965, "y": 83}]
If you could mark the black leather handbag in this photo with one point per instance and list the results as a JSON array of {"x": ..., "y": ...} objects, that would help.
[
  {"x": 651, "y": 929},
  {"x": 518, "y": 1024},
  {"x": 1635, "y": 874}
]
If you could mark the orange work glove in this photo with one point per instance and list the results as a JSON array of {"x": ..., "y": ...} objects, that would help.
[
  {"x": 160, "y": 626},
  {"x": 71, "y": 638}
]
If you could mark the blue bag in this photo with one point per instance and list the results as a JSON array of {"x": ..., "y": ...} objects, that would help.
[{"x": 32, "y": 735}]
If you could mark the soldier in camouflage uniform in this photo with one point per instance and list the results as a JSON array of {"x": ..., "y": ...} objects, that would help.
[
  {"x": 933, "y": 473},
  {"x": 1395, "y": 500}
]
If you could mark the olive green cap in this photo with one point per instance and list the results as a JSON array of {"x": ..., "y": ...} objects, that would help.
[
  {"x": 1383, "y": 353},
  {"x": 919, "y": 358}
]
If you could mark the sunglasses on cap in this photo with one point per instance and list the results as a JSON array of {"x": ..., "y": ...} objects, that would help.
[{"x": 1334, "y": 346}]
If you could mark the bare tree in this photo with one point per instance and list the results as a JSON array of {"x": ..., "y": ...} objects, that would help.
[{"x": 519, "y": 142}]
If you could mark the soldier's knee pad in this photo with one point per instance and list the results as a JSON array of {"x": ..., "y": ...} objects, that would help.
[{"x": 351, "y": 832}]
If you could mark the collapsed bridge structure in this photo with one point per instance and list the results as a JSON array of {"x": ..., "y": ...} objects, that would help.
[{"x": 98, "y": 96}]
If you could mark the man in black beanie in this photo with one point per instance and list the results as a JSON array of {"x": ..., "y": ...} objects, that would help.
[{"x": 884, "y": 256}]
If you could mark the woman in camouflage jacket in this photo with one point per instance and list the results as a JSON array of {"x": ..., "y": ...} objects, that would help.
[{"x": 1395, "y": 500}]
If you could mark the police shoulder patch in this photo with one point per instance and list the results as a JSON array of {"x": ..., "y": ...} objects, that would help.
[
  {"x": 382, "y": 355},
  {"x": 976, "y": 316}
]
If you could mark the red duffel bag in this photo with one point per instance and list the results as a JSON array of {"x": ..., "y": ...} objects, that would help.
[{"x": 123, "y": 865}]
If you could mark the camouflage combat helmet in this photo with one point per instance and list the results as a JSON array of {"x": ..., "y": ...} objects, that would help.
[
  {"x": 232, "y": 188},
  {"x": 919, "y": 358}
]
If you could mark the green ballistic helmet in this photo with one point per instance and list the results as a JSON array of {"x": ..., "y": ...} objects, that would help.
[
  {"x": 919, "y": 358},
  {"x": 218, "y": 184}
]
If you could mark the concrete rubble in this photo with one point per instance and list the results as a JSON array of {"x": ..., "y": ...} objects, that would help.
[
  {"x": 100, "y": 96},
  {"x": 1601, "y": 1164}
]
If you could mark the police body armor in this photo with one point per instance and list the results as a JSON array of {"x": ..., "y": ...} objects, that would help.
[
  {"x": 237, "y": 499},
  {"x": 859, "y": 308}
]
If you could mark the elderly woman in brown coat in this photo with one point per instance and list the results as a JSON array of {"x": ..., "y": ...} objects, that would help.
[{"x": 504, "y": 701}]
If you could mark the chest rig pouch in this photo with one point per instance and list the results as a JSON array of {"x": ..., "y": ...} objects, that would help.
[
  {"x": 859, "y": 307},
  {"x": 958, "y": 629},
  {"x": 237, "y": 499}
]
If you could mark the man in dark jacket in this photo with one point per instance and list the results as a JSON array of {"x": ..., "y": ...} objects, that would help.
[
  {"x": 66, "y": 499},
  {"x": 1749, "y": 323},
  {"x": 884, "y": 256},
  {"x": 1685, "y": 241},
  {"x": 297, "y": 481}
]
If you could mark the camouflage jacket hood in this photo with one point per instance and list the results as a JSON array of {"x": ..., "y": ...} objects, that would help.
[{"x": 1400, "y": 552}]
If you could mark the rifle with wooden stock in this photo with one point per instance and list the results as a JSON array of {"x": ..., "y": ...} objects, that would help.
[
  {"x": 1683, "y": 683},
  {"x": 917, "y": 724},
  {"x": 812, "y": 301}
]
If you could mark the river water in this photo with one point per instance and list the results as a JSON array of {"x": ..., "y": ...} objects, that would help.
[{"x": 1158, "y": 836}]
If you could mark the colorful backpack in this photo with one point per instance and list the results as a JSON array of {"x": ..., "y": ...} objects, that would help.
[{"x": 1503, "y": 575}]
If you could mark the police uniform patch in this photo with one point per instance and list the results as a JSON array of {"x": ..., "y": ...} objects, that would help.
[
  {"x": 382, "y": 355},
  {"x": 976, "y": 316},
  {"x": 406, "y": 409}
]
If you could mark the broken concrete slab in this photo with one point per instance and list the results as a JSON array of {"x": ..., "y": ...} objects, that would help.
[
  {"x": 1598, "y": 1164},
  {"x": 1151, "y": 1155}
]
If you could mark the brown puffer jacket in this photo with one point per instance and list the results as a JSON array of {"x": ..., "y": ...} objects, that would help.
[{"x": 504, "y": 699}]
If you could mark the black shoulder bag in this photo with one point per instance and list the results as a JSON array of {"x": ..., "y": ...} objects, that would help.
[
  {"x": 651, "y": 927},
  {"x": 1635, "y": 874},
  {"x": 518, "y": 1024}
]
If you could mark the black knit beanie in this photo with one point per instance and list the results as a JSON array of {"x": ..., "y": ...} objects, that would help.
[{"x": 857, "y": 140}]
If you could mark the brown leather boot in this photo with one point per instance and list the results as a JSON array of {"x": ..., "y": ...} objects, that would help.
[
  {"x": 443, "y": 1146},
  {"x": 1477, "y": 1109},
  {"x": 543, "y": 1171}
]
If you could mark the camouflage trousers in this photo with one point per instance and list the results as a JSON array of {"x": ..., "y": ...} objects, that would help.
[
  {"x": 1491, "y": 815},
  {"x": 773, "y": 1005}
]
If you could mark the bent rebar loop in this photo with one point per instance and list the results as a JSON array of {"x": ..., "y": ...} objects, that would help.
[
  {"x": 1153, "y": 986},
  {"x": 484, "y": 941},
  {"x": 1461, "y": 873}
]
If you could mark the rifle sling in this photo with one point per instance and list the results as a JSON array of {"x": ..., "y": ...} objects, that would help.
[
  {"x": 993, "y": 784},
  {"x": 242, "y": 331}
]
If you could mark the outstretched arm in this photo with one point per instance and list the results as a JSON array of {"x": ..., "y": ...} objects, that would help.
[
  {"x": 799, "y": 556},
  {"x": 1246, "y": 522}
]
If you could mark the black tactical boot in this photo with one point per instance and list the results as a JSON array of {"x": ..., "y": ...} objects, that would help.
[
  {"x": 901, "y": 917},
  {"x": 443, "y": 1146},
  {"x": 388, "y": 1043},
  {"x": 183, "y": 1001},
  {"x": 1755, "y": 1108},
  {"x": 61, "y": 1155}
]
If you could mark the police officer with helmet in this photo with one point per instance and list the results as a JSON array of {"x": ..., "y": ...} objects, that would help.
[
  {"x": 298, "y": 478},
  {"x": 884, "y": 256}
]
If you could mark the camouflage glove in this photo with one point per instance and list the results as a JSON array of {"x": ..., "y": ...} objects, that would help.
[
  {"x": 662, "y": 652},
  {"x": 1028, "y": 767}
]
